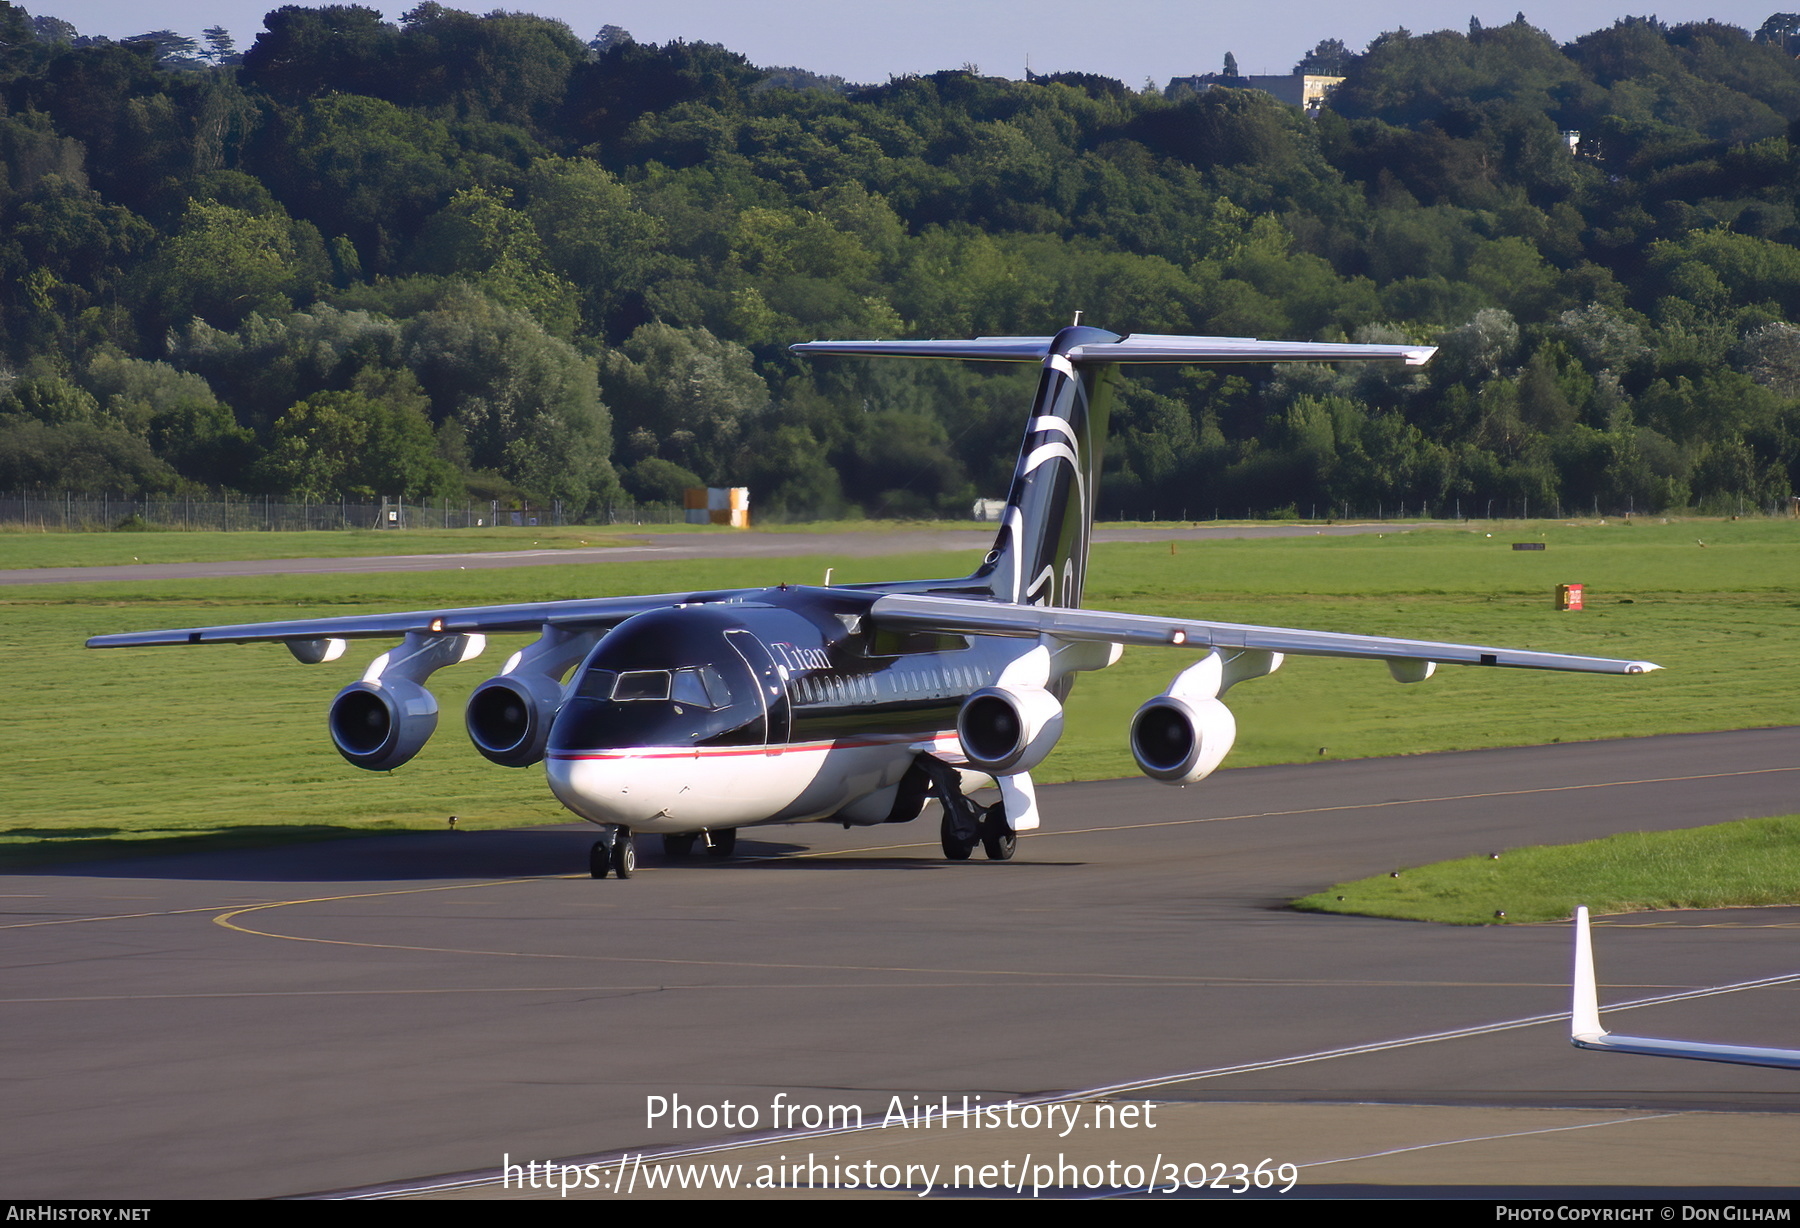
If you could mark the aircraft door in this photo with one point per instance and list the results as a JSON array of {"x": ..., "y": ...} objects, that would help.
[{"x": 771, "y": 687}]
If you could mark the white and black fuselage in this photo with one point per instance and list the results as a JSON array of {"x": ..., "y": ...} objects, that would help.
[
  {"x": 784, "y": 706},
  {"x": 824, "y": 712}
]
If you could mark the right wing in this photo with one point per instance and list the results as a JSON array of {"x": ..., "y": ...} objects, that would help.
[
  {"x": 1585, "y": 1031},
  {"x": 954, "y": 614}
]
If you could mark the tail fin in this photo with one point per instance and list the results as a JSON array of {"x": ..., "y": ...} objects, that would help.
[{"x": 1040, "y": 556}]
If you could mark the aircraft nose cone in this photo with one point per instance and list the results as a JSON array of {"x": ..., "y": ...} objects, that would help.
[{"x": 609, "y": 788}]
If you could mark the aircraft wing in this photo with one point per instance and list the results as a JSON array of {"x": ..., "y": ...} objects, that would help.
[
  {"x": 950, "y": 614},
  {"x": 485, "y": 619},
  {"x": 1585, "y": 1031}
]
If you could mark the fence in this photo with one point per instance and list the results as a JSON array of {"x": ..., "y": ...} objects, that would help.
[
  {"x": 258, "y": 514},
  {"x": 78, "y": 513}
]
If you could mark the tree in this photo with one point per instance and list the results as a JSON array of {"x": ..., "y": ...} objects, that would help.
[
  {"x": 303, "y": 53},
  {"x": 595, "y": 236},
  {"x": 172, "y": 50},
  {"x": 1782, "y": 29},
  {"x": 222, "y": 264},
  {"x": 527, "y": 403},
  {"x": 220, "y": 47},
  {"x": 53, "y": 30},
  {"x": 694, "y": 393},
  {"x": 1771, "y": 357},
  {"x": 478, "y": 237},
  {"x": 608, "y": 38},
  {"x": 353, "y": 444},
  {"x": 1328, "y": 59},
  {"x": 1231, "y": 68},
  {"x": 368, "y": 169}
]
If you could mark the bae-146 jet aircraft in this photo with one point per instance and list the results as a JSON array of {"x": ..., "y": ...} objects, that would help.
[{"x": 690, "y": 715}]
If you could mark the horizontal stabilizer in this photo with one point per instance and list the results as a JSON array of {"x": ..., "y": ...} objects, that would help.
[
  {"x": 954, "y": 615},
  {"x": 1585, "y": 1031},
  {"x": 1136, "y": 348}
]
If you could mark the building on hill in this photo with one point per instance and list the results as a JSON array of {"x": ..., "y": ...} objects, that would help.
[{"x": 1307, "y": 91}]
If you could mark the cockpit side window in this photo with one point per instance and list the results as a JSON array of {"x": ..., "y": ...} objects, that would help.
[
  {"x": 717, "y": 689},
  {"x": 700, "y": 688},
  {"x": 596, "y": 684}
]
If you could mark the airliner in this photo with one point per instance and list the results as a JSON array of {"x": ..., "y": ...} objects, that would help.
[{"x": 691, "y": 715}]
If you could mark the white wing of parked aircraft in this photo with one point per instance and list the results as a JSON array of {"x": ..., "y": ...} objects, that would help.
[
  {"x": 690, "y": 715},
  {"x": 1585, "y": 1031}
]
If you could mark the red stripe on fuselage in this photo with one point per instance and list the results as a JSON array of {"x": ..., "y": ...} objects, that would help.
[{"x": 725, "y": 752}]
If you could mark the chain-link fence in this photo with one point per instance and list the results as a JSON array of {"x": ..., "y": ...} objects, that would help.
[{"x": 257, "y": 514}]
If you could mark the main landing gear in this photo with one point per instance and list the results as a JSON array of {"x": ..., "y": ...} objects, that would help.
[
  {"x": 614, "y": 852},
  {"x": 966, "y": 824}
]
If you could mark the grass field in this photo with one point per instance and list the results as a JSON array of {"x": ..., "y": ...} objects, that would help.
[
  {"x": 230, "y": 742},
  {"x": 33, "y": 549},
  {"x": 23, "y": 547},
  {"x": 1746, "y": 864}
]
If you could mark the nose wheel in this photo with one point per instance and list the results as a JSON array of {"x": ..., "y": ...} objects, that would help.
[{"x": 614, "y": 853}]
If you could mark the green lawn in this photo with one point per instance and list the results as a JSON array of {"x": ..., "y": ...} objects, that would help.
[
  {"x": 168, "y": 743},
  {"x": 21, "y": 548},
  {"x": 1746, "y": 864}
]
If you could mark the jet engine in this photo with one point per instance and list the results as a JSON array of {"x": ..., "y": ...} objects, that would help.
[
  {"x": 1008, "y": 728},
  {"x": 381, "y": 724},
  {"x": 1180, "y": 741},
  {"x": 509, "y": 717},
  {"x": 382, "y": 721}
]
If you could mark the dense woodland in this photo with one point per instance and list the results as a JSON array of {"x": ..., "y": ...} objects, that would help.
[{"x": 467, "y": 256}]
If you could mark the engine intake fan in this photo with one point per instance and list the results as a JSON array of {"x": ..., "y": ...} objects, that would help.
[
  {"x": 382, "y": 724},
  {"x": 509, "y": 717},
  {"x": 1007, "y": 729}
]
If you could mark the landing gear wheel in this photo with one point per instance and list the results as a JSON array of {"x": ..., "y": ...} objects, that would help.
[
  {"x": 954, "y": 846},
  {"x": 600, "y": 859},
  {"x": 998, "y": 840},
  {"x": 678, "y": 846},
  {"x": 624, "y": 855},
  {"x": 721, "y": 843}
]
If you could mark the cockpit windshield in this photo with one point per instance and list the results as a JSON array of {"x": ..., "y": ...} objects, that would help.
[
  {"x": 695, "y": 687},
  {"x": 670, "y": 678}
]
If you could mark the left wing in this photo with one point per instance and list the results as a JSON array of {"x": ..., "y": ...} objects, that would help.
[
  {"x": 1585, "y": 1031},
  {"x": 471, "y": 620},
  {"x": 951, "y": 614}
]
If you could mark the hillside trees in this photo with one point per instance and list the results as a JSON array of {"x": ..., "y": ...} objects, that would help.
[{"x": 470, "y": 252}]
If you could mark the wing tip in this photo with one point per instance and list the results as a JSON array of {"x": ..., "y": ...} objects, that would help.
[{"x": 1584, "y": 1001}]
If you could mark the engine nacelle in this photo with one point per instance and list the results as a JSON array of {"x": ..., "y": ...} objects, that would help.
[
  {"x": 509, "y": 717},
  {"x": 1180, "y": 741},
  {"x": 1009, "y": 728},
  {"x": 381, "y": 724}
]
